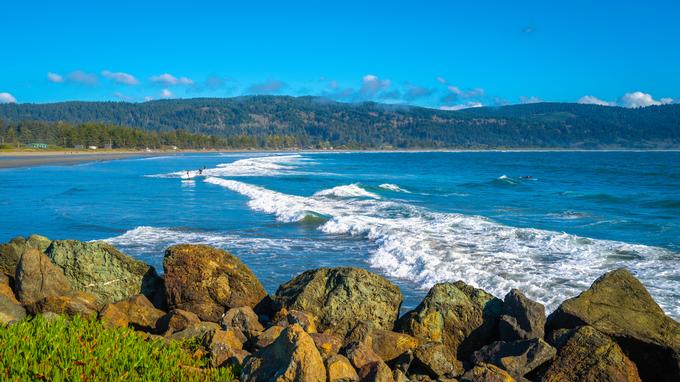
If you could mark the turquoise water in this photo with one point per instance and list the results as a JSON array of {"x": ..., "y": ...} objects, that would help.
[{"x": 548, "y": 223}]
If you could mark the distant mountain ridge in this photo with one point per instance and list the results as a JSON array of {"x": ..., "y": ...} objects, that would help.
[{"x": 318, "y": 121}]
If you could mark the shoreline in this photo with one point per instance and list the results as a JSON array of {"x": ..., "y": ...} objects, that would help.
[{"x": 21, "y": 159}]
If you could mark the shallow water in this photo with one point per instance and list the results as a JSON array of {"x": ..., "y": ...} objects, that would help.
[{"x": 548, "y": 223}]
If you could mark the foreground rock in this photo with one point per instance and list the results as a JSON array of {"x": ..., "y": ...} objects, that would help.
[
  {"x": 338, "y": 369},
  {"x": 100, "y": 269},
  {"x": 617, "y": 304},
  {"x": 340, "y": 297},
  {"x": 11, "y": 252},
  {"x": 37, "y": 278},
  {"x": 176, "y": 320},
  {"x": 517, "y": 358},
  {"x": 10, "y": 308},
  {"x": 208, "y": 281},
  {"x": 460, "y": 316},
  {"x": 136, "y": 311},
  {"x": 588, "y": 355},
  {"x": 292, "y": 357},
  {"x": 71, "y": 304},
  {"x": 488, "y": 373},
  {"x": 522, "y": 319},
  {"x": 244, "y": 319}
]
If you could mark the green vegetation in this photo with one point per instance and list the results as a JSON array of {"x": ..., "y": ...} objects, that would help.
[
  {"x": 83, "y": 350},
  {"x": 311, "y": 122}
]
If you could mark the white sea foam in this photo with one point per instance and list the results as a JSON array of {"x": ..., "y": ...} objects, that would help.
[
  {"x": 393, "y": 187},
  {"x": 428, "y": 247},
  {"x": 347, "y": 191},
  {"x": 274, "y": 165}
]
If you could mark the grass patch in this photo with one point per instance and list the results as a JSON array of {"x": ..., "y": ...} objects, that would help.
[{"x": 78, "y": 349}]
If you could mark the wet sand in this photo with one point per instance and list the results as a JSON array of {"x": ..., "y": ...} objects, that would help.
[{"x": 30, "y": 159}]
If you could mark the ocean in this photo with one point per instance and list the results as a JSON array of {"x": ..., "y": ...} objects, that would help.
[{"x": 547, "y": 223}]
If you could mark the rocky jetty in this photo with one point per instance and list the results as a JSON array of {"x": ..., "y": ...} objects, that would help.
[{"x": 343, "y": 324}]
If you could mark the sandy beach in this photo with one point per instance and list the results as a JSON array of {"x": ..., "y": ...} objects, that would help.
[{"x": 13, "y": 159}]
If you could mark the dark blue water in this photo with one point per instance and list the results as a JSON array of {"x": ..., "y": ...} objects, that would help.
[{"x": 548, "y": 223}]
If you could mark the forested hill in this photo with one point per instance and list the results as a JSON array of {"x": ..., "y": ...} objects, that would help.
[{"x": 316, "y": 122}]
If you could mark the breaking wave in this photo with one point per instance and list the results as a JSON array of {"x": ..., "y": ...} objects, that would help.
[
  {"x": 393, "y": 187},
  {"x": 348, "y": 191},
  {"x": 274, "y": 165},
  {"x": 428, "y": 247}
]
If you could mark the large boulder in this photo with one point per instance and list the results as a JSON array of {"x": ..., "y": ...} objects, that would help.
[
  {"x": 208, "y": 281},
  {"x": 292, "y": 357},
  {"x": 339, "y": 297},
  {"x": 6, "y": 289},
  {"x": 338, "y": 369},
  {"x": 37, "y": 278},
  {"x": 618, "y": 305},
  {"x": 522, "y": 318},
  {"x": 435, "y": 360},
  {"x": 517, "y": 358},
  {"x": 588, "y": 355},
  {"x": 460, "y": 316},
  {"x": 11, "y": 252},
  {"x": 100, "y": 269},
  {"x": 389, "y": 345}
]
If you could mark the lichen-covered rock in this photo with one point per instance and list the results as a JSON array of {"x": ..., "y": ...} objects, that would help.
[
  {"x": 376, "y": 372},
  {"x": 339, "y": 297},
  {"x": 193, "y": 332},
  {"x": 208, "y": 281},
  {"x": 244, "y": 319},
  {"x": 11, "y": 252},
  {"x": 588, "y": 355},
  {"x": 517, "y": 358},
  {"x": 435, "y": 360},
  {"x": 112, "y": 317},
  {"x": 618, "y": 305},
  {"x": 460, "y": 316},
  {"x": 389, "y": 345},
  {"x": 100, "y": 269},
  {"x": 223, "y": 344},
  {"x": 71, "y": 304},
  {"x": 6, "y": 289},
  {"x": 522, "y": 318},
  {"x": 176, "y": 320},
  {"x": 267, "y": 337},
  {"x": 339, "y": 369},
  {"x": 328, "y": 344},
  {"x": 487, "y": 373},
  {"x": 292, "y": 357},
  {"x": 359, "y": 345},
  {"x": 139, "y": 313},
  {"x": 37, "y": 278},
  {"x": 10, "y": 310}
]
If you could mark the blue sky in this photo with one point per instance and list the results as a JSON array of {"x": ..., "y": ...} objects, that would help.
[{"x": 442, "y": 54}]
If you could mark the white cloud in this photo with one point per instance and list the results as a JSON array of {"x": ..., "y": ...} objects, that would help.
[
  {"x": 83, "y": 78},
  {"x": 638, "y": 99},
  {"x": 120, "y": 77},
  {"x": 54, "y": 77},
  {"x": 166, "y": 93},
  {"x": 472, "y": 93},
  {"x": 7, "y": 98},
  {"x": 169, "y": 79},
  {"x": 529, "y": 99},
  {"x": 371, "y": 85},
  {"x": 667, "y": 101},
  {"x": 592, "y": 100},
  {"x": 466, "y": 105},
  {"x": 441, "y": 80},
  {"x": 148, "y": 98}
]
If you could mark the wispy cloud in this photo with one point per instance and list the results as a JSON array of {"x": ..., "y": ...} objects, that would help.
[
  {"x": 529, "y": 99},
  {"x": 7, "y": 98},
  {"x": 169, "y": 79},
  {"x": 441, "y": 80},
  {"x": 82, "y": 77},
  {"x": 267, "y": 87},
  {"x": 120, "y": 77},
  {"x": 122, "y": 96},
  {"x": 414, "y": 92},
  {"x": 467, "y": 105},
  {"x": 54, "y": 77},
  {"x": 528, "y": 29},
  {"x": 372, "y": 85},
  {"x": 592, "y": 100},
  {"x": 454, "y": 93},
  {"x": 166, "y": 93}
]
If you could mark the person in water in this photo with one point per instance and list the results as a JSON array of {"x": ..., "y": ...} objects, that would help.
[{"x": 200, "y": 171}]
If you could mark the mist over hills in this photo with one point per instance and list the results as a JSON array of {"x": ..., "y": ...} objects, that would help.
[{"x": 312, "y": 121}]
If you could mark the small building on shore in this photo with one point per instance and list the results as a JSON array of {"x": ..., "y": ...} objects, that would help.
[{"x": 37, "y": 145}]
